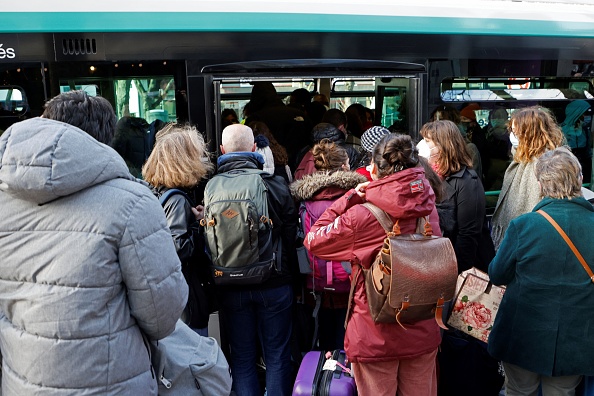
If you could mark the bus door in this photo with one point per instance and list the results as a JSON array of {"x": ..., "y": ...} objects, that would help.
[
  {"x": 400, "y": 104},
  {"x": 393, "y": 90}
]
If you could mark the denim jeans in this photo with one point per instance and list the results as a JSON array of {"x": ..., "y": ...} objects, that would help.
[{"x": 263, "y": 314}]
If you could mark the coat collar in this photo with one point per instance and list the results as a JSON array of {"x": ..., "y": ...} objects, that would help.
[
  {"x": 581, "y": 201},
  {"x": 458, "y": 174},
  {"x": 307, "y": 187},
  {"x": 240, "y": 160}
]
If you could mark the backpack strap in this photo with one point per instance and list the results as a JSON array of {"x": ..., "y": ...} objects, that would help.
[
  {"x": 569, "y": 243},
  {"x": 423, "y": 224},
  {"x": 381, "y": 216},
  {"x": 169, "y": 193}
]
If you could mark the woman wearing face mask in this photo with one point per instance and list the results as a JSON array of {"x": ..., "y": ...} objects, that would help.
[
  {"x": 450, "y": 113},
  {"x": 536, "y": 132},
  {"x": 462, "y": 219},
  {"x": 464, "y": 193}
]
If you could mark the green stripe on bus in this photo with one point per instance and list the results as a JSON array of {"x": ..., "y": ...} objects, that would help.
[{"x": 36, "y": 22}]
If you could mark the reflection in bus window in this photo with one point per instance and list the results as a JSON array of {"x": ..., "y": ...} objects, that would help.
[
  {"x": 13, "y": 101},
  {"x": 150, "y": 98}
]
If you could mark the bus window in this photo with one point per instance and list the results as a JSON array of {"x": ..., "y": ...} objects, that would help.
[
  {"x": 151, "y": 98},
  {"x": 496, "y": 99},
  {"x": 346, "y": 92},
  {"x": 13, "y": 101}
]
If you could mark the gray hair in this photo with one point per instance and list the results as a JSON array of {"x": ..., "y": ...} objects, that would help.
[
  {"x": 559, "y": 173},
  {"x": 237, "y": 138}
]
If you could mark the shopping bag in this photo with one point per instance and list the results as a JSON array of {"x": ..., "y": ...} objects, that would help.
[{"x": 476, "y": 304}]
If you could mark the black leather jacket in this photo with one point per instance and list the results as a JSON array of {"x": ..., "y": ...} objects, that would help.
[
  {"x": 185, "y": 230},
  {"x": 189, "y": 243}
]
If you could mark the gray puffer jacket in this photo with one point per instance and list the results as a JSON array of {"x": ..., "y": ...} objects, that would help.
[{"x": 87, "y": 262}]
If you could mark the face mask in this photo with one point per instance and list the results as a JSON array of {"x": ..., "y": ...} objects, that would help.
[
  {"x": 497, "y": 123},
  {"x": 513, "y": 140},
  {"x": 463, "y": 127},
  {"x": 423, "y": 148}
]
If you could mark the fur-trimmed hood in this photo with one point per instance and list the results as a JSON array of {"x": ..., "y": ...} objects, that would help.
[{"x": 307, "y": 187}]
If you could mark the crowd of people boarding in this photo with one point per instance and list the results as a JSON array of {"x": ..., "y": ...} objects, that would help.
[{"x": 100, "y": 256}]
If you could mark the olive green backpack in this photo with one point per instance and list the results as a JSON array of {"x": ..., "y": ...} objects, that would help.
[{"x": 238, "y": 228}]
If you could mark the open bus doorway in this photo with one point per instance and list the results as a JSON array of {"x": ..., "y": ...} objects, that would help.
[{"x": 393, "y": 90}]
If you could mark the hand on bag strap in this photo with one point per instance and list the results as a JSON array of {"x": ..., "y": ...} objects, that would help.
[{"x": 569, "y": 243}]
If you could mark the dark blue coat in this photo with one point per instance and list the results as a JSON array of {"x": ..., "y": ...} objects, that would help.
[{"x": 545, "y": 322}]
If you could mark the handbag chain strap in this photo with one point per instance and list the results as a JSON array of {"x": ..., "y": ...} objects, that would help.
[{"x": 569, "y": 243}]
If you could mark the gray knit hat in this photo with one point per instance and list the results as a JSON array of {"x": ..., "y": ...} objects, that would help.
[{"x": 372, "y": 136}]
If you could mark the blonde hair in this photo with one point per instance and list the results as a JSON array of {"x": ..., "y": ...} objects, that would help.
[
  {"x": 453, "y": 154},
  {"x": 179, "y": 158},
  {"x": 559, "y": 173},
  {"x": 328, "y": 156},
  {"x": 536, "y": 131}
]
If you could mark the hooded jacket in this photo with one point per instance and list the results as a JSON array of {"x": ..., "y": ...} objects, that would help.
[
  {"x": 348, "y": 231},
  {"x": 132, "y": 142},
  {"x": 317, "y": 192},
  {"x": 88, "y": 265},
  {"x": 576, "y": 138}
]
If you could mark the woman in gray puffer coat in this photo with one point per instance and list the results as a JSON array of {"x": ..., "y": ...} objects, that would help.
[{"x": 87, "y": 266}]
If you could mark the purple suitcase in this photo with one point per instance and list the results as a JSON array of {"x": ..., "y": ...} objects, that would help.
[{"x": 313, "y": 380}]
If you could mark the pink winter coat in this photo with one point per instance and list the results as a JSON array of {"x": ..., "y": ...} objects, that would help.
[{"x": 348, "y": 231}]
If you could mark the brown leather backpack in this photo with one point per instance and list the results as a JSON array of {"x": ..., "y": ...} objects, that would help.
[{"x": 412, "y": 276}]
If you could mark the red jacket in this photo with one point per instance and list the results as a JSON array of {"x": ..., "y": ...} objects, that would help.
[{"x": 348, "y": 231}]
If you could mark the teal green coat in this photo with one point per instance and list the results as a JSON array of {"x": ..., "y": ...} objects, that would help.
[{"x": 545, "y": 323}]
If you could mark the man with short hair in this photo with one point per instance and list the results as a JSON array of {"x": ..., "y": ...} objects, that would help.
[
  {"x": 261, "y": 310},
  {"x": 88, "y": 264}
]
